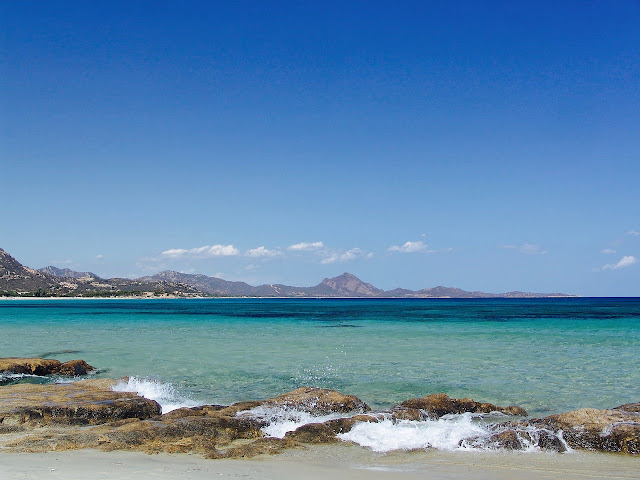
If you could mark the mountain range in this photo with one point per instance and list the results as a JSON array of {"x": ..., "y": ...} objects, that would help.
[{"x": 18, "y": 280}]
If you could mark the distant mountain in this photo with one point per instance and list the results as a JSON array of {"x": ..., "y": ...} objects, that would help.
[
  {"x": 16, "y": 279},
  {"x": 67, "y": 273},
  {"x": 347, "y": 285}
]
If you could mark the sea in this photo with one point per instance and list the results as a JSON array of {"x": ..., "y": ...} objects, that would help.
[{"x": 547, "y": 355}]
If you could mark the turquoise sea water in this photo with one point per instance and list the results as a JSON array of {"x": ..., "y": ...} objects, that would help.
[{"x": 546, "y": 355}]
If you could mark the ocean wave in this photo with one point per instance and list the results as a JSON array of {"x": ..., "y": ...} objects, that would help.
[
  {"x": 462, "y": 432},
  {"x": 282, "y": 420},
  {"x": 164, "y": 393}
]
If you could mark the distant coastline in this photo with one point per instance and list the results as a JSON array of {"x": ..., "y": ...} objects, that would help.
[{"x": 19, "y": 281}]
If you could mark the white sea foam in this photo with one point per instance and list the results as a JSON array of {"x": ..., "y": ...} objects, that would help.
[
  {"x": 445, "y": 433},
  {"x": 163, "y": 393},
  {"x": 282, "y": 419}
]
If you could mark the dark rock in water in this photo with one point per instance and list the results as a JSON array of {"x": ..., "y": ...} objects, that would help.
[
  {"x": 439, "y": 404},
  {"x": 602, "y": 430},
  {"x": 508, "y": 440},
  {"x": 44, "y": 366},
  {"x": 318, "y": 401},
  {"x": 74, "y": 368},
  {"x": 326, "y": 432},
  {"x": 629, "y": 407},
  {"x": 80, "y": 403}
]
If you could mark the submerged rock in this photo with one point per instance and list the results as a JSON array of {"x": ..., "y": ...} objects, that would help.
[
  {"x": 439, "y": 404},
  {"x": 44, "y": 366}
]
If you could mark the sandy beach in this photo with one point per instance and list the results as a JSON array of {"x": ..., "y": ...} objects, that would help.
[{"x": 337, "y": 462}]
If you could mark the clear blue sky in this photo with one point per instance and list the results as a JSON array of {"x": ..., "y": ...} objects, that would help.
[{"x": 490, "y": 146}]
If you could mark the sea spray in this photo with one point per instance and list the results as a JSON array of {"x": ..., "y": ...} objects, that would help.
[
  {"x": 163, "y": 393},
  {"x": 461, "y": 432},
  {"x": 281, "y": 420}
]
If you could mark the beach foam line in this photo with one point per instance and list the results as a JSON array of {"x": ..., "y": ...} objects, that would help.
[{"x": 162, "y": 392}]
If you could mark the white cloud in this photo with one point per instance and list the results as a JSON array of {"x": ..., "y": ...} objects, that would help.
[
  {"x": 411, "y": 247},
  {"x": 527, "y": 249},
  {"x": 633, "y": 233},
  {"x": 338, "y": 256},
  {"x": 623, "y": 263},
  {"x": 306, "y": 246},
  {"x": 263, "y": 252},
  {"x": 202, "y": 252},
  {"x": 99, "y": 256},
  {"x": 607, "y": 250}
]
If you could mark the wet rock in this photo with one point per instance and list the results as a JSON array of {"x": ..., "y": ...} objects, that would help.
[
  {"x": 508, "y": 440},
  {"x": 318, "y": 401},
  {"x": 602, "y": 430},
  {"x": 326, "y": 432},
  {"x": 44, "y": 366},
  {"x": 439, "y": 404},
  {"x": 83, "y": 402}
]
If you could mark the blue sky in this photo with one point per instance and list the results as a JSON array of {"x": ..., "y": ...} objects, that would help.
[{"x": 489, "y": 146}]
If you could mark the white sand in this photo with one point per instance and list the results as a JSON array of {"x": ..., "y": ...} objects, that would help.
[{"x": 333, "y": 462}]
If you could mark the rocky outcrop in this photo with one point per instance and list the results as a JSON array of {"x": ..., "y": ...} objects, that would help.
[
  {"x": 44, "y": 366},
  {"x": 87, "y": 402},
  {"x": 602, "y": 430},
  {"x": 89, "y": 414},
  {"x": 318, "y": 401},
  {"x": 439, "y": 404}
]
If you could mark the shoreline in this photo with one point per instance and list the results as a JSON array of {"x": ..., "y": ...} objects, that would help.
[
  {"x": 343, "y": 461},
  {"x": 170, "y": 297}
]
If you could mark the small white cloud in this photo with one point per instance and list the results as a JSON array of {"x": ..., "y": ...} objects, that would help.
[
  {"x": 624, "y": 262},
  {"x": 338, "y": 256},
  {"x": 527, "y": 249},
  {"x": 262, "y": 252},
  {"x": 607, "y": 250},
  {"x": 99, "y": 256},
  {"x": 633, "y": 233},
  {"x": 202, "y": 252},
  {"x": 411, "y": 247},
  {"x": 306, "y": 246}
]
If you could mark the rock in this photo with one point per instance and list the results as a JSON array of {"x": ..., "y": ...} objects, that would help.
[
  {"x": 629, "y": 407},
  {"x": 508, "y": 440},
  {"x": 74, "y": 368},
  {"x": 439, "y": 404},
  {"x": 326, "y": 432},
  {"x": 602, "y": 430},
  {"x": 44, "y": 366},
  {"x": 318, "y": 401},
  {"x": 83, "y": 402}
]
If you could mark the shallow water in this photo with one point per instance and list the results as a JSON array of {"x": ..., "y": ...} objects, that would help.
[{"x": 546, "y": 355}]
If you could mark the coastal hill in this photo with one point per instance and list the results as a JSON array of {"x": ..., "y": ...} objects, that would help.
[
  {"x": 18, "y": 280},
  {"x": 67, "y": 273}
]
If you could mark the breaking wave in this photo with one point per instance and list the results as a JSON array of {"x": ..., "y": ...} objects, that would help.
[
  {"x": 164, "y": 393},
  {"x": 449, "y": 433},
  {"x": 282, "y": 420}
]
